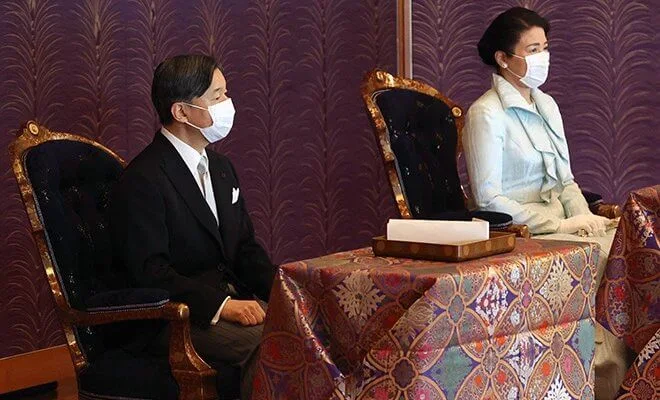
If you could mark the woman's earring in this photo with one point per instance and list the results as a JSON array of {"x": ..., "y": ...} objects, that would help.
[{"x": 505, "y": 66}]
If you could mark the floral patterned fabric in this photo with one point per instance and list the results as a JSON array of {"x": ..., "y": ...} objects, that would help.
[
  {"x": 354, "y": 326},
  {"x": 642, "y": 382},
  {"x": 628, "y": 301}
]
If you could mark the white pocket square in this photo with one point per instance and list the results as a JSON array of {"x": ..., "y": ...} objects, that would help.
[{"x": 235, "y": 192}]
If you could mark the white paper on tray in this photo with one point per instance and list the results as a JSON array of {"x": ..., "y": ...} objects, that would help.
[{"x": 437, "y": 232}]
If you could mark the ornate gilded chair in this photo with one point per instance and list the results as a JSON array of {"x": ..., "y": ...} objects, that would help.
[
  {"x": 65, "y": 181},
  {"x": 419, "y": 133}
]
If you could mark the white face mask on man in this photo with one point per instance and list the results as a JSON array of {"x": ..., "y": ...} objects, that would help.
[
  {"x": 538, "y": 66},
  {"x": 222, "y": 115}
]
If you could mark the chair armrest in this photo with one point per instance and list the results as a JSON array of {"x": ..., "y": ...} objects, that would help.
[
  {"x": 598, "y": 207},
  {"x": 195, "y": 378},
  {"x": 606, "y": 210},
  {"x": 168, "y": 311},
  {"x": 520, "y": 230}
]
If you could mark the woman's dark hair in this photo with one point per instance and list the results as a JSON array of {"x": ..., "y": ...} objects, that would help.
[
  {"x": 180, "y": 78},
  {"x": 505, "y": 31}
]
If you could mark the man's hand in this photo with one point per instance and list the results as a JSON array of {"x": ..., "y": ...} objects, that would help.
[{"x": 244, "y": 312}]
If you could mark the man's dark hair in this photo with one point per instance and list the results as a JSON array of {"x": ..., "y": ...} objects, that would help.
[
  {"x": 180, "y": 78},
  {"x": 505, "y": 31}
]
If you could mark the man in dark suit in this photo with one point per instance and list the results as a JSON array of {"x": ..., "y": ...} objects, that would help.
[{"x": 179, "y": 222}]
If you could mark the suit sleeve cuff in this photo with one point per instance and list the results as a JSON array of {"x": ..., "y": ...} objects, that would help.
[{"x": 216, "y": 318}]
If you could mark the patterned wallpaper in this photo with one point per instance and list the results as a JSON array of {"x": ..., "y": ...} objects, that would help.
[
  {"x": 302, "y": 144},
  {"x": 604, "y": 74}
]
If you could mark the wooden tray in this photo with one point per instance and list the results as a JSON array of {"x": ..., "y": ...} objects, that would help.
[{"x": 499, "y": 242}]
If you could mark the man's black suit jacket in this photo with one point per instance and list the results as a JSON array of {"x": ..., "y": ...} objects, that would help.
[{"x": 165, "y": 235}]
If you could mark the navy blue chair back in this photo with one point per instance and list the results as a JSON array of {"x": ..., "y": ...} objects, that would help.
[
  {"x": 71, "y": 182},
  {"x": 424, "y": 137}
]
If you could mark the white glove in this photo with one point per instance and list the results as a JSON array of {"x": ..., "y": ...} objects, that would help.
[{"x": 592, "y": 225}]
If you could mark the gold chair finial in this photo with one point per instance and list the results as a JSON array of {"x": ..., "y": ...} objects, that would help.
[
  {"x": 33, "y": 128},
  {"x": 385, "y": 77}
]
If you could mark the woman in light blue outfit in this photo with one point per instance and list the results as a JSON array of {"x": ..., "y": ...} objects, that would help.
[
  {"x": 518, "y": 160},
  {"x": 514, "y": 141}
]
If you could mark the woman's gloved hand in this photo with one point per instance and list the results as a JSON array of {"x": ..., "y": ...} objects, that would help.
[{"x": 592, "y": 225}]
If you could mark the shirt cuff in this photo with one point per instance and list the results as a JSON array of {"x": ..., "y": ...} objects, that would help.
[{"x": 216, "y": 318}]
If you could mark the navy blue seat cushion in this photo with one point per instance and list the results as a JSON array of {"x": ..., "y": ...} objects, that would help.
[
  {"x": 130, "y": 335},
  {"x": 496, "y": 220},
  {"x": 127, "y": 299},
  {"x": 593, "y": 199}
]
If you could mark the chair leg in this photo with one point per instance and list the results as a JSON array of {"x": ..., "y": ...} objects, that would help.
[
  {"x": 196, "y": 385},
  {"x": 196, "y": 379}
]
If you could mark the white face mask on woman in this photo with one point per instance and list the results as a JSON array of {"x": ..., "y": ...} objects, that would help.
[
  {"x": 222, "y": 115},
  {"x": 538, "y": 65}
]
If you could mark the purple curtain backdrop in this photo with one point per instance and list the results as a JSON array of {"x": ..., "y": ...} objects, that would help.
[
  {"x": 302, "y": 144},
  {"x": 604, "y": 74}
]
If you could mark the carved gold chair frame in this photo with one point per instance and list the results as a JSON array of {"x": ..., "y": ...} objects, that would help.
[
  {"x": 377, "y": 81},
  {"x": 195, "y": 378}
]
